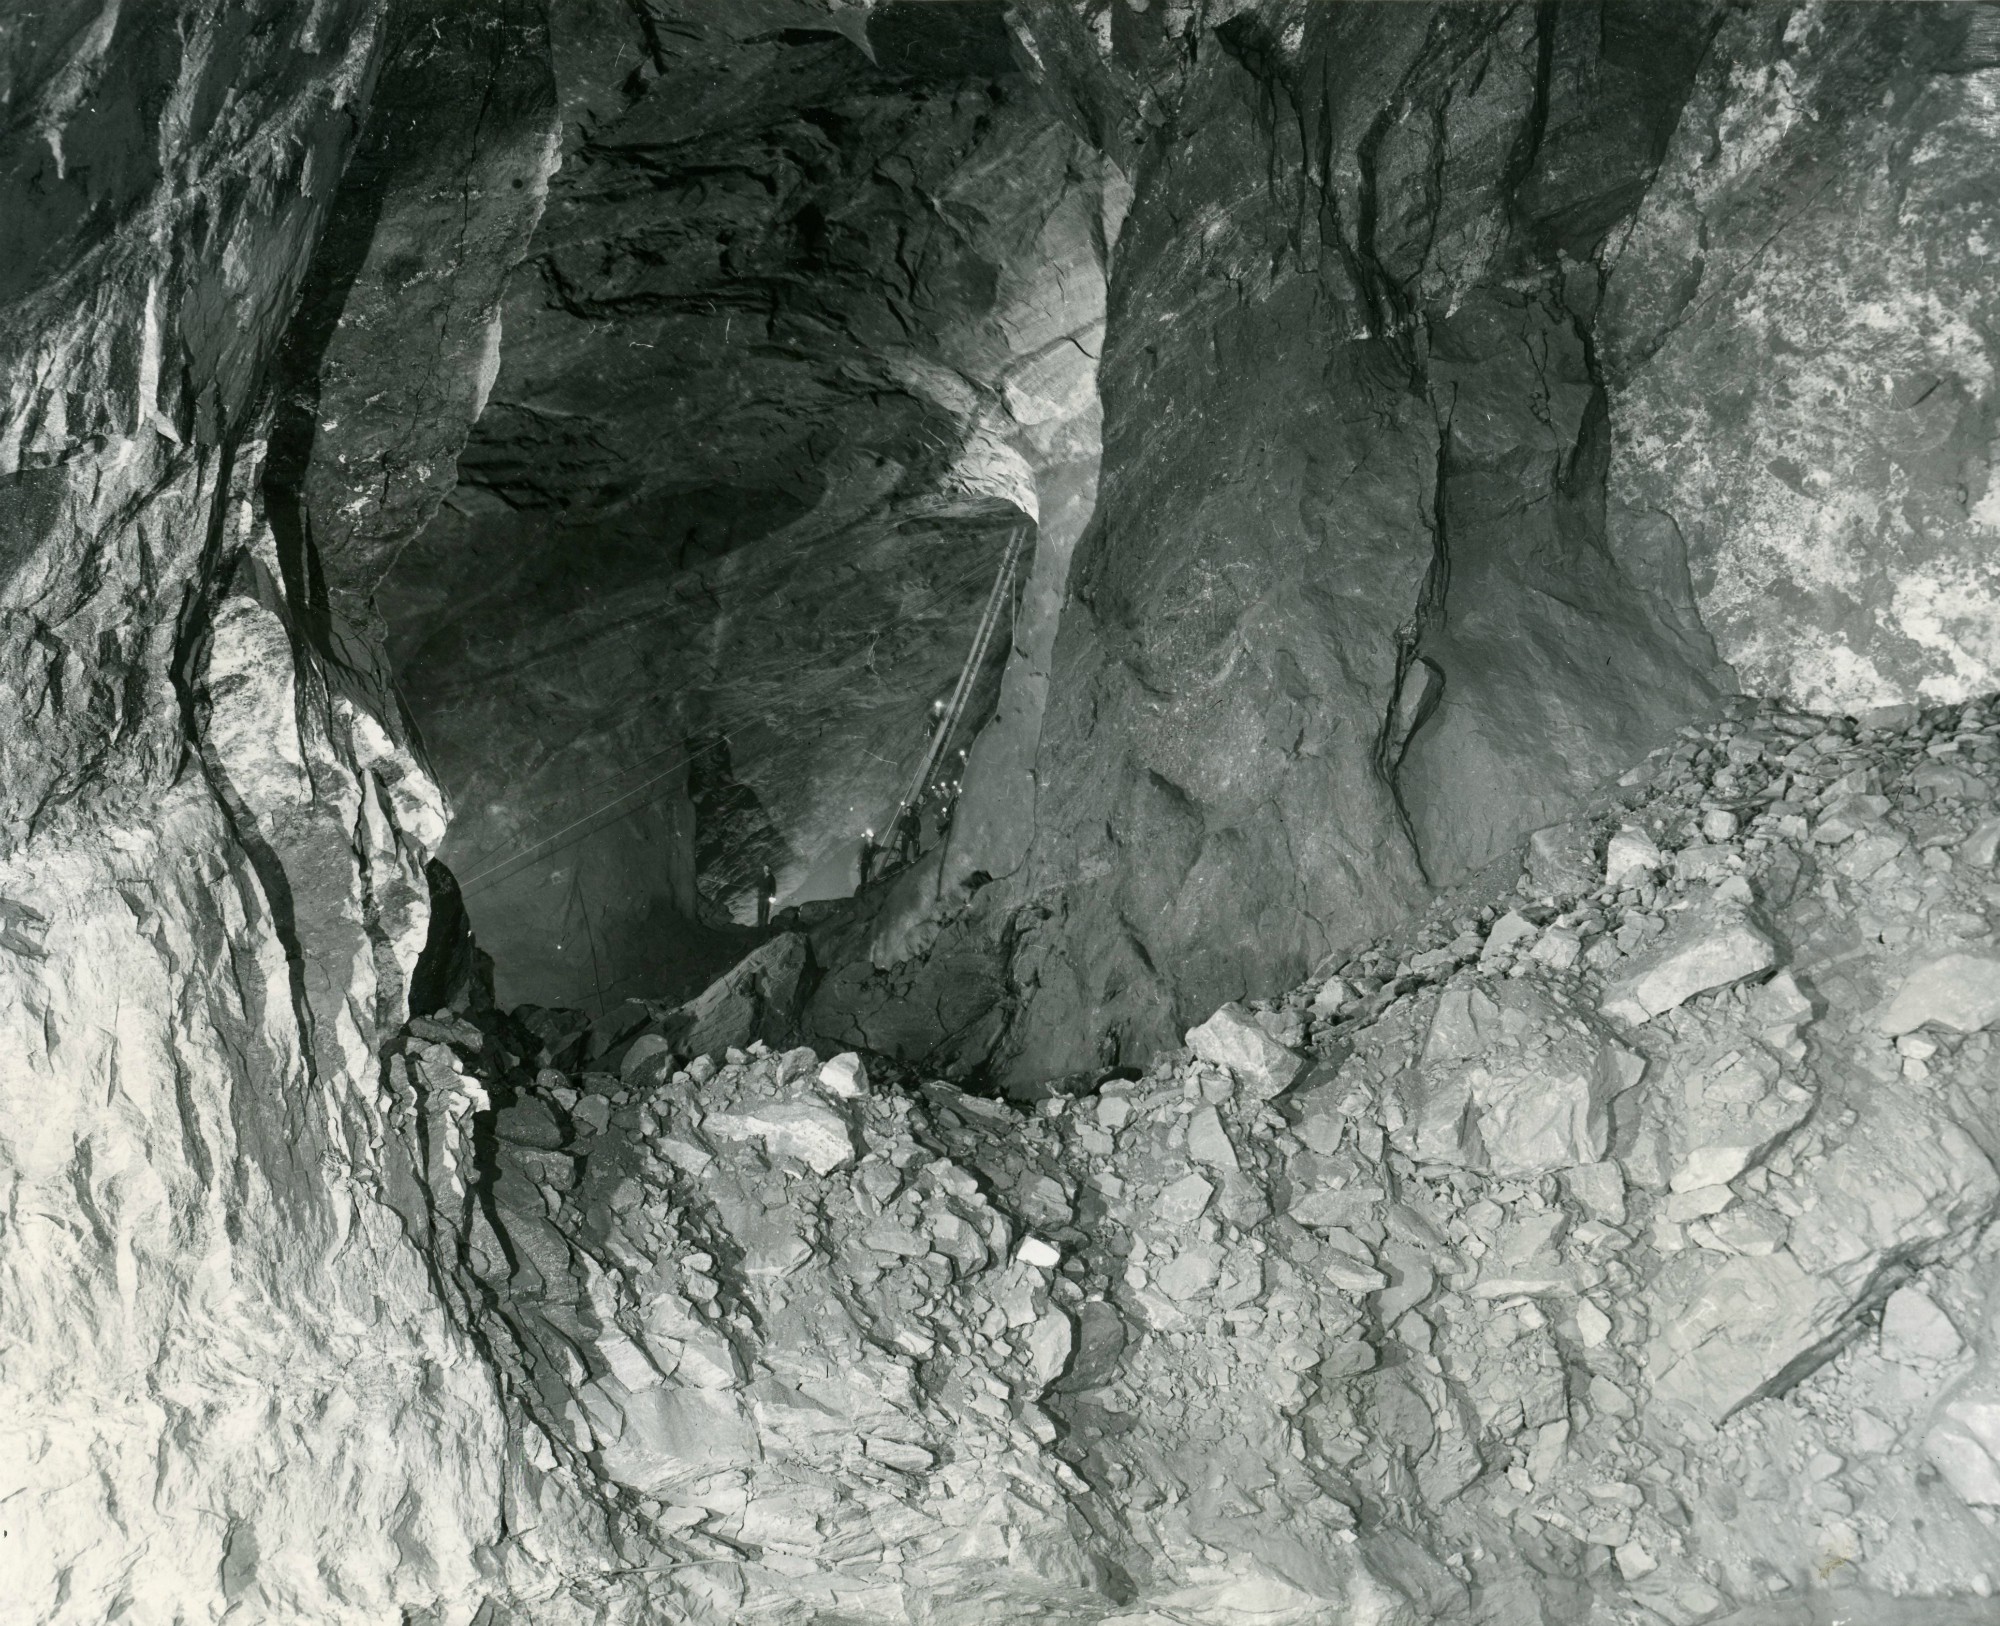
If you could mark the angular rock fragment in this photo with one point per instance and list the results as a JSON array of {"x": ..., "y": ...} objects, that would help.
[
  {"x": 1849, "y": 816},
  {"x": 1600, "y": 1188},
  {"x": 1184, "y": 1202},
  {"x": 1735, "y": 1104},
  {"x": 1331, "y": 996},
  {"x": 1234, "y": 1039},
  {"x": 1466, "y": 1022},
  {"x": 1511, "y": 932},
  {"x": 816, "y": 1135},
  {"x": 1871, "y": 855},
  {"x": 1432, "y": 1118},
  {"x": 1100, "y": 1341},
  {"x": 1532, "y": 1122},
  {"x": 1960, "y": 992},
  {"x": 660, "y": 1435},
  {"x": 1353, "y": 1275},
  {"x": 1208, "y": 1142},
  {"x": 844, "y": 1075},
  {"x": 647, "y": 1059},
  {"x": 1908, "y": 1184},
  {"x": 1480, "y": 1101},
  {"x": 759, "y": 995},
  {"x": 1734, "y": 1328},
  {"x": 1915, "y": 1331},
  {"x": 1631, "y": 853},
  {"x": 1189, "y": 1275},
  {"x": 906, "y": 1455},
  {"x": 1707, "y": 950},
  {"x": 1050, "y": 1341},
  {"x": 1326, "y": 1206},
  {"x": 1559, "y": 949},
  {"x": 1965, "y": 1446},
  {"x": 1562, "y": 860}
]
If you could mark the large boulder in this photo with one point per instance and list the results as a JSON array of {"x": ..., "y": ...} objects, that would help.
[
  {"x": 1960, "y": 992},
  {"x": 1234, "y": 1039},
  {"x": 1705, "y": 950}
]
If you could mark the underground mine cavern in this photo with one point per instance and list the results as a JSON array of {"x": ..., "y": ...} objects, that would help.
[{"x": 1152, "y": 812}]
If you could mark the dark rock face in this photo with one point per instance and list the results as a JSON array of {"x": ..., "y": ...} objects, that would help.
[
  {"x": 1450, "y": 422},
  {"x": 398, "y": 336},
  {"x": 743, "y": 483},
  {"x": 1347, "y": 623}
]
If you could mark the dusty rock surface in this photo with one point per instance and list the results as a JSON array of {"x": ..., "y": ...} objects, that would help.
[
  {"x": 1806, "y": 405},
  {"x": 1456, "y": 1293}
]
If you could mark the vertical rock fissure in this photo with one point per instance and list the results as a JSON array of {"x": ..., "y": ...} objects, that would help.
[
  {"x": 193, "y": 639},
  {"x": 1528, "y": 146},
  {"x": 1410, "y": 708}
]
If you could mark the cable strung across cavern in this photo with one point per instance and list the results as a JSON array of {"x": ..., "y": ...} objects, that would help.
[
  {"x": 955, "y": 709},
  {"x": 998, "y": 595}
]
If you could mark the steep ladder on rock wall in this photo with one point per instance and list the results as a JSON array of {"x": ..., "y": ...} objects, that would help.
[{"x": 954, "y": 712}]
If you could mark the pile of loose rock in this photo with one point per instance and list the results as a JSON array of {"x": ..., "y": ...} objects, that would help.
[{"x": 1617, "y": 1250}]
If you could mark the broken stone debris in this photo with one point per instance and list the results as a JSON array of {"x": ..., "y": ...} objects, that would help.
[
  {"x": 1234, "y": 1039},
  {"x": 1709, "y": 949},
  {"x": 1548, "y": 1244}
]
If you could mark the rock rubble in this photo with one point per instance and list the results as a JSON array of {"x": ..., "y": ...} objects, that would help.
[{"x": 1612, "y": 1249}]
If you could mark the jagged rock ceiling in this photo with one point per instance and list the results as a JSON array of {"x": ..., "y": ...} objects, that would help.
[{"x": 1413, "y": 414}]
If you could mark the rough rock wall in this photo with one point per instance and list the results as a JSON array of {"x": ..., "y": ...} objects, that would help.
[
  {"x": 397, "y": 342},
  {"x": 1348, "y": 364},
  {"x": 230, "y": 1378},
  {"x": 1476, "y": 382},
  {"x": 1800, "y": 331}
]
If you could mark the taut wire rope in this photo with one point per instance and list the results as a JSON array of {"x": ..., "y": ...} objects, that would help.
[
  {"x": 982, "y": 640},
  {"x": 905, "y": 612},
  {"x": 540, "y": 847}
]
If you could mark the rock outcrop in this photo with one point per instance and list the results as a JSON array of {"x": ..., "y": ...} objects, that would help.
[
  {"x": 1423, "y": 501},
  {"x": 230, "y": 1378}
]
